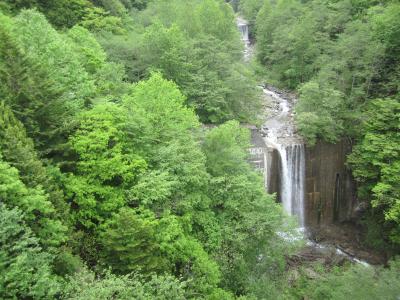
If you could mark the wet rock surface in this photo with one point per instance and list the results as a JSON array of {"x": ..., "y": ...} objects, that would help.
[
  {"x": 347, "y": 239},
  {"x": 330, "y": 203},
  {"x": 279, "y": 115}
]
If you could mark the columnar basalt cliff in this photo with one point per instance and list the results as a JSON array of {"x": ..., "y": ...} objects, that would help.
[{"x": 330, "y": 188}]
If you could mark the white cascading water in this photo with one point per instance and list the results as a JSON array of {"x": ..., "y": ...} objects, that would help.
[
  {"x": 279, "y": 133},
  {"x": 244, "y": 31},
  {"x": 292, "y": 186}
]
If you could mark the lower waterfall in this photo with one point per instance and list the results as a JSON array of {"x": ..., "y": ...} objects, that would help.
[
  {"x": 279, "y": 133},
  {"x": 292, "y": 180}
]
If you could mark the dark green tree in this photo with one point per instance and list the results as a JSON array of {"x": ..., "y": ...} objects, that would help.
[
  {"x": 375, "y": 160},
  {"x": 129, "y": 243},
  {"x": 25, "y": 270}
]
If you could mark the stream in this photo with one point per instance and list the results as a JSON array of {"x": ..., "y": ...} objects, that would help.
[{"x": 279, "y": 132}]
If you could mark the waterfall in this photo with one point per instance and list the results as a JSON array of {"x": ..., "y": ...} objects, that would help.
[
  {"x": 283, "y": 159},
  {"x": 279, "y": 133},
  {"x": 244, "y": 30},
  {"x": 292, "y": 179}
]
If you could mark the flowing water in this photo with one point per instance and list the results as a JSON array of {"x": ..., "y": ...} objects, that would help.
[
  {"x": 280, "y": 133},
  {"x": 244, "y": 31}
]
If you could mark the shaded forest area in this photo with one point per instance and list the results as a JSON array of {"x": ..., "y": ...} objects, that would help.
[{"x": 111, "y": 188}]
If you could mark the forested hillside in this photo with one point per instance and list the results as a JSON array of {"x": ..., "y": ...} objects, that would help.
[
  {"x": 124, "y": 167},
  {"x": 110, "y": 188},
  {"x": 343, "y": 59}
]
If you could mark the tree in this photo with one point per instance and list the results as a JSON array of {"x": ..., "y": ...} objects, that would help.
[
  {"x": 129, "y": 244},
  {"x": 166, "y": 50},
  {"x": 138, "y": 4},
  {"x": 358, "y": 282},
  {"x": 62, "y": 13},
  {"x": 38, "y": 210},
  {"x": 162, "y": 129},
  {"x": 248, "y": 218},
  {"x": 18, "y": 150},
  {"x": 226, "y": 149},
  {"x": 86, "y": 47},
  {"x": 320, "y": 112},
  {"x": 105, "y": 166},
  {"x": 250, "y": 9},
  {"x": 186, "y": 256},
  {"x": 385, "y": 29},
  {"x": 25, "y": 270},
  {"x": 96, "y": 19},
  {"x": 53, "y": 86},
  {"x": 86, "y": 285},
  {"x": 375, "y": 160}
]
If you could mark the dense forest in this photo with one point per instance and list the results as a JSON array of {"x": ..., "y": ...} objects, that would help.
[
  {"x": 124, "y": 167},
  {"x": 343, "y": 59}
]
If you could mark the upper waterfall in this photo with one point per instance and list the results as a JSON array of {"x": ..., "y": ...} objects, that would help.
[{"x": 243, "y": 27}]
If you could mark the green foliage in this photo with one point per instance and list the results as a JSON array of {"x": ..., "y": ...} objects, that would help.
[
  {"x": 114, "y": 7},
  {"x": 19, "y": 151},
  {"x": 186, "y": 256},
  {"x": 375, "y": 159},
  {"x": 104, "y": 168},
  {"x": 85, "y": 285},
  {"x": 226, "y": 149},
  {"x": 25, "y": 270},
  {"x": 166, "y": 50},
  {"x": 43, "y": 79},
  {"x": 220, "y": 85},
  {"x": 91, "y": 55},
  {"x": 319, "y": 112},
  {"x": 129, "y": 244},
  {"x": 248, "y": 218},
  {"x": 61, "y": 13},
  {"x": 387, "y": 30},
  {"x": 358, "y": 282},
  {"x": 161, "y": 129},
  {"x": 64, "y": 13},
  {"x": 138, "y": 4},
  {"x": 250, "y": 9},
  {"x": 38, "y": 210},
  {"x": 96, "y": 19}
]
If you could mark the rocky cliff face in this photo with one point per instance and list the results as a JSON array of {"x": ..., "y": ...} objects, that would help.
[
  {"x": 330, "y": 188},
  {"x": 330, "y": 192}
]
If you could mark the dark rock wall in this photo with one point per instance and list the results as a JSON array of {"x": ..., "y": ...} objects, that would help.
[
  {"x": 330, "y": 189},
  {"x": 267, "y": 161},
  {"x": 274, "y": 178}
]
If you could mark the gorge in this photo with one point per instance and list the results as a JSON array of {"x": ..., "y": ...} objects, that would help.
[
  {"x": 199, "y": 149},
  {"x": 313, "y": 183}
]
